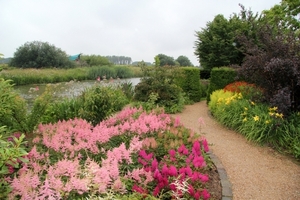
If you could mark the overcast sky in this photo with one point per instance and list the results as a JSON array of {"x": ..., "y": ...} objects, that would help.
[{"x": 139, "y": 29}]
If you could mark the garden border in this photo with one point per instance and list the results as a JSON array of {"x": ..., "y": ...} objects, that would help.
[{"x": 225, "y": 183}]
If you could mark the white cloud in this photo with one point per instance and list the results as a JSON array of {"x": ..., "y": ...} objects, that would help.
[{"x": 140, "y": 29}]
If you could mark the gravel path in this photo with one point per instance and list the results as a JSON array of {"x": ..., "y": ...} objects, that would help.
[{"x": 255, "y": 172}]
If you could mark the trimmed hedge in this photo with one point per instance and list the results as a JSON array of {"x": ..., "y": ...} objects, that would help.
[
  {"x": 219, "y": 78},
  {"x": 190, "y": 83}
]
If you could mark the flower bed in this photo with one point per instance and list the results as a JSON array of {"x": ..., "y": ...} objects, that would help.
[{"x": 134, "y": 154}]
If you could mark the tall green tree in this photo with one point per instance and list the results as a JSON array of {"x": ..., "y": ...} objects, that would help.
[
  {"x": 286, "y": 14},
  {"x": 38, "y": 54},
  {"x": 184, "y": 61},
  {"x": 216, "y": 45}
]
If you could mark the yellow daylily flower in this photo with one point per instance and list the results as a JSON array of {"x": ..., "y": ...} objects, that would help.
[
  {"x": 245, "y": 119},
  {"x": 256, "y": 118}
]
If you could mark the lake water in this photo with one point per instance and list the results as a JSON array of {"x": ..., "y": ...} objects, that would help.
[{"x": 65, "y": 89}]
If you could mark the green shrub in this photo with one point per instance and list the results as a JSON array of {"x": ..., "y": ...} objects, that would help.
[
  {"x": 62, "y": 110},
  {"x": 13, "y": 108},
  {"x": 12, "y": 152},
  {"x": 161, "y": 81},
  {"x": 100, "y": 102},
  {"x": 190, "y": 83}
]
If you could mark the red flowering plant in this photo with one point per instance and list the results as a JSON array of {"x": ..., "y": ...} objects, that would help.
[
  {"x": 73, "y": 159},
  {"x": 249, "y": 91},
  {"x": 181, "y": 173}
]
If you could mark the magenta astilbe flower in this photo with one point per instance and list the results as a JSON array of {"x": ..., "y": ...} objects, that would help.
[
  {"x": 154, "y": 165},
  {"x": 205, "y": 144},
  {"x": 203, "y": 177},
  {"x": 197, "y": 195},
  {"x": 165, "y": 170},
  {"x": 145, "y": 156},
  {"x": 172, "y": 170},
  {"x": 172, "y": 153},
  {"x": 191, "y": 190},
  {"x": 196, "y": 148},
  {"x": 199, "y": 161},
  {"x": 183, "y": 150},
  {"x": 139, "y": 189},
  {"x": 205, "y": 194}
]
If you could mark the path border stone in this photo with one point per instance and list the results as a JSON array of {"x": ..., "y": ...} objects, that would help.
[{"x": 225, "y": 183}]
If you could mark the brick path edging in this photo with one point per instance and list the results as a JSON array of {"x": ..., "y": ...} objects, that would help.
[{"x": 225, "y": 183}]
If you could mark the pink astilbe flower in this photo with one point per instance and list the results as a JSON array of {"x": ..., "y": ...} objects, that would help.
[
  {"x": 47, "y": 192},
  {"x": 177, "y": 122}
]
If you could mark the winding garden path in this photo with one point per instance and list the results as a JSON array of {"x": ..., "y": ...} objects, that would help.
[{"x": 255, "y": 172}]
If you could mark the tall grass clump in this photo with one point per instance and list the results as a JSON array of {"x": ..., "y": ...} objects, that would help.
[
  {"x": 37, "y": 76},
  {"x": 104, "y": 72}
]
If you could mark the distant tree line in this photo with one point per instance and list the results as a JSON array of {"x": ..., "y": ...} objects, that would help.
[
  {"x": 163, "y": 60},
  {"x": 119, "y": 60}
]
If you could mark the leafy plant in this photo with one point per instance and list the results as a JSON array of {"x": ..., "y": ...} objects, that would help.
[
  {"x": 13, "y": 108},
  {"x": 273, "y": 64},
  {"x": 161, "y": 81},
  {"x": 12, "y": 154}
]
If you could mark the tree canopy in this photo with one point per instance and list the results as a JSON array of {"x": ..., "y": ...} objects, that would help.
[
  {"x": 38, "y": 54},
  {"x": 166, "y": 60},
  {"x": 216, "y": 45},
  {"x": 183, "y": 61}
]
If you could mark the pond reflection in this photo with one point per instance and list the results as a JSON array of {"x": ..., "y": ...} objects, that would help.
[{"x": 65, "y": 89}]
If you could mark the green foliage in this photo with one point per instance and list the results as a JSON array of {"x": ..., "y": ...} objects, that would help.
[
  {"x": 13, "y": 108},
  {"x": 123, "y": 72},
  {"x": 161, "y": 81},
  {"x": 216, "y": 45},
  {"x": 95, "y": 60},
  {"x": 34, "y": 76},
  {"x": 100, "y": 102},
  {"x": 284, "y": 14},
  {"x": 62, "y": 110},
  {"x": 219, "y": 78},
  {"x": 12, "y": 152},
  {"x": 258, "y": 122},
  {"x": 156, "y": 61},
  {"x": 104, "y": 72},
  {"x": 190, "y": 83},
  {"x": 165, "y": 60},
  {"x": 39, "y": 109},
  {"x": 40, "y": 54},
  {"x": 184, "y": 61}
]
